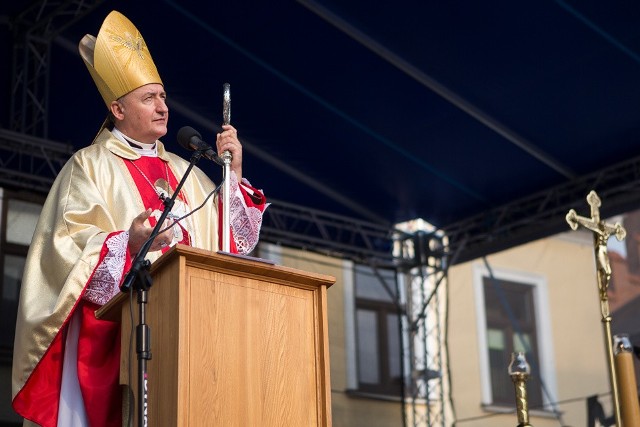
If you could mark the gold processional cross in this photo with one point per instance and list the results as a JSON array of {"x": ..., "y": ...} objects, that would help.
[{"x": 601, "y": 233}]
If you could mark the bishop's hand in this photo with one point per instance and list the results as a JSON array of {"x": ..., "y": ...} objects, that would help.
[{"x": 139, "y": 233}]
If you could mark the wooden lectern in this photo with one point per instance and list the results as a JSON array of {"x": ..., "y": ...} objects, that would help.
[{"x": 234, "y": 342}]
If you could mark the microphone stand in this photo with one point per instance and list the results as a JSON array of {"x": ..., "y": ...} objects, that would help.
[{"x": 140, "y": 279}]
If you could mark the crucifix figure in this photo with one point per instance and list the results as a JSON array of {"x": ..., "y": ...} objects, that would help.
[{"x": 601, "y": 233}]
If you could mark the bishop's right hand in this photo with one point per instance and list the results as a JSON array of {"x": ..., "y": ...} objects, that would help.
[{"x": 139, "y": 233}]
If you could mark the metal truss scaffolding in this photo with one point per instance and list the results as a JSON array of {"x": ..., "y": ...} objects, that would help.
[
  {"x": 423, "y": 267},
  {"x": 331, "y": 234},
  {"x": 30, "y": 163},
  {"x": 533, "y": 217},
  {"x": 542, "y": 214},
  {"x": 33, "y": 30}
]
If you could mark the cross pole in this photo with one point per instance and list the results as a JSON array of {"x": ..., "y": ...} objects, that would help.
[{"x": 601, "y": 233}]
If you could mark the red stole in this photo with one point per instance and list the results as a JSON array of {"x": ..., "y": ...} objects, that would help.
[{"x": 150, "y": 173}]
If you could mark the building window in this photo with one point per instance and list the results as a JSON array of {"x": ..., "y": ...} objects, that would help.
[
  {"x": 19, "y": 218},
  {"x": 511, "y": 327},
  {"x": 513, "y": 315},
  {"x": 377, "y": 332}
]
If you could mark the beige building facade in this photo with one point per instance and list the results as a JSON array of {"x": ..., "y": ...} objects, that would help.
[{"x": 571, "y": 349}]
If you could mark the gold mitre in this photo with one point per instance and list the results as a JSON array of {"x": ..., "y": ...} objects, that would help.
[{"x": 118, "y": 59}]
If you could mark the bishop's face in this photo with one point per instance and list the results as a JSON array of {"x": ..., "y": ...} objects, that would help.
[{"x": 144, "y": 113}]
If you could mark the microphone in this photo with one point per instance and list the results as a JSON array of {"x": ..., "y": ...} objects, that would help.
[{"x": 191, "y": 139}]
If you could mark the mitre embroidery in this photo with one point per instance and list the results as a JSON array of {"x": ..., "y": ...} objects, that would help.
[{"x": 132, "y": 43}]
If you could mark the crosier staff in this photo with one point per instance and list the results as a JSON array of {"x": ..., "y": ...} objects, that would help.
[{"x": 226, "y": 158}]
